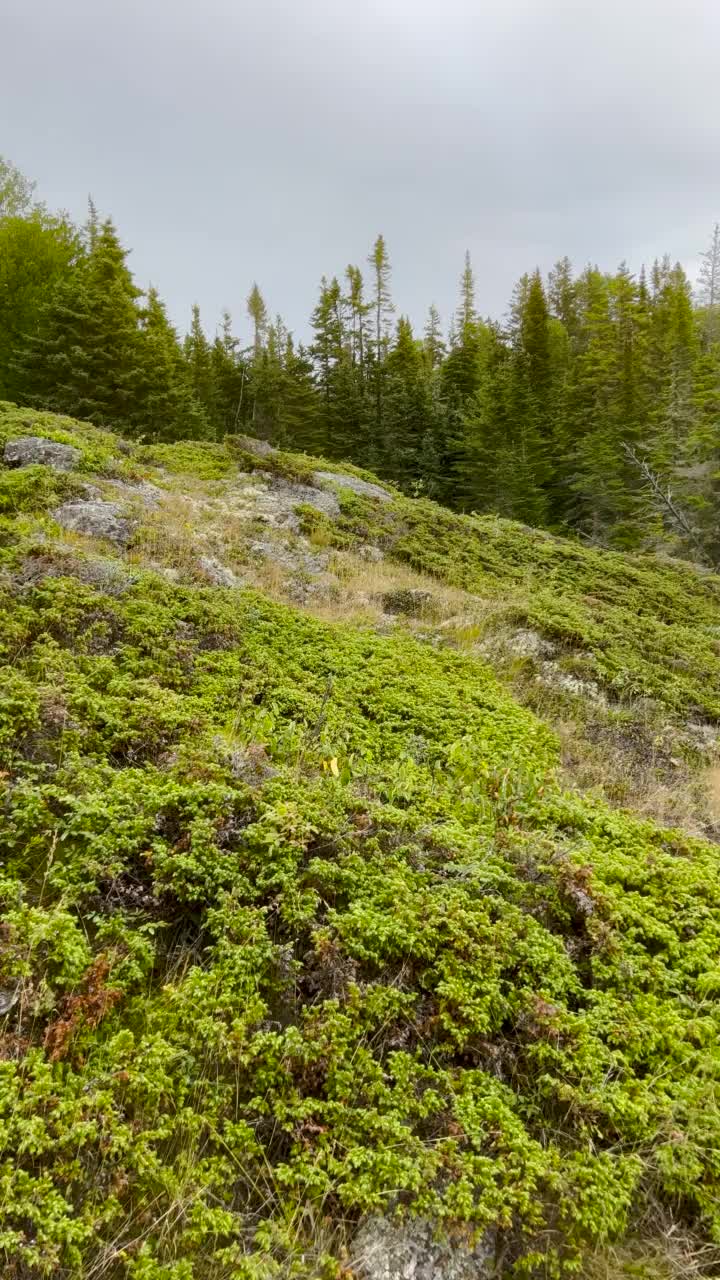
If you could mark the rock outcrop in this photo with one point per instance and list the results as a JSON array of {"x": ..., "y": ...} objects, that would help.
[
  {"x": 35, "y": 450},
  {"x": 96, "y": 519},
  {"x": 384, "y": 1250},
  {"x": 363, "y": 487}
]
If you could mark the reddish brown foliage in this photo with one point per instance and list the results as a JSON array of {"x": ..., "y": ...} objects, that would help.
[{"x": 86, "y": 1010}]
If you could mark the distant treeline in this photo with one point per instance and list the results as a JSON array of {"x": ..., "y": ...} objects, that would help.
[{"x": 596, "y": 394}]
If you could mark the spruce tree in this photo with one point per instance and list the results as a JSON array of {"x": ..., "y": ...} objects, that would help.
[
  {"x": 257, "y": 312},
  {"x": 37, "y": 252},
  {"x": 340, "y": 385},
  {"x": 382, "y": 310},
  {"x": 359, "y": 318},
  {"x": 84, "y": 358},
  {"x": 435, "y": 348},
  {"x": 197, "y": 353},
  {"x": 672, "y": 354},
  {"x": 461, "y": 376},
  {"x": 407, "y": 417},
  {"x": 165, "y": 406},
  {"x": 302, "y": 422},
  {"x": 608, "y": 388},
  {"x": 562, "y": 298},
  {"x": 228, "y": 380},
  {"x": 462, "y": 368}
]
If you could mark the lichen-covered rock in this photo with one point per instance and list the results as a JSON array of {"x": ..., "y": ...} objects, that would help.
[
  {"x": 372, "y": 554},
  {"x": 35, "y": 450},
  {"x": 412, "y": 601},
  {"x": 9, "y": 997},
  {"x": 145, "y": 492},
  {"x": 385, "y": 1250},
  {"x": 96, "y": 520},
  {"x": 530, "y": 644},
  {"x": 554, "y": 677},
  {"x": 305, "y": 494},
  {"x": 363, "y": 487},
  {"x": 273, "y": 501},
  {"x": 295, "y": 557},
  {"x": 260, "y": 448},
  {"x": 219, "y": 574},
  {"x": 111, "y": 576}
]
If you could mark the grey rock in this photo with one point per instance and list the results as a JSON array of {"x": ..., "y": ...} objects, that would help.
[
  {"x": 385, "y": 1250},
  {"x": 296, "y": 559},
  {"x": 318, "y": 498},
  {"x": 109, "y": 576},
  {"x": 409, "y": 600},
  {"x": 219, "y": 574},
  {"x": 261, "y": 448},
  {"x": 145, "y": 492},
  {"x": 316, "y": 592},
  {"x": 272, "y": 500},
  {"x": 165, "y": 570},
  {"x": 35, "y": 449},
  {"x": 96, "y": 520},
  {"x": 9, "y": 997},
  {"x": 372, "y": 554},
  {"x": 363, "y": 487},
  {"x": 703, "y": 735},
  {"x": 530, "y": 644},
  {"x": 563, "y": 682},
  {"x": 251, "y": 764}
]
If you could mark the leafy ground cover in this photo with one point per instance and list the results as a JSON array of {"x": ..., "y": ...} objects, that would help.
[{"x": 300, "y": 924}]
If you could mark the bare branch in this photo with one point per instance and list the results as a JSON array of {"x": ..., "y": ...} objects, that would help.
[{"x": 665, "y": 499}]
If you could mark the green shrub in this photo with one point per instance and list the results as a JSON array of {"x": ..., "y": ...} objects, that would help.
[{"x": 298, "y": 924}]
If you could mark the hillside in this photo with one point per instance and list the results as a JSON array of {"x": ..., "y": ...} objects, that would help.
[{"x": 361, "y": 909}]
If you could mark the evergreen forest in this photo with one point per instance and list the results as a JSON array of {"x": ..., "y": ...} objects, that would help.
[{"x": 591, "y": 408}]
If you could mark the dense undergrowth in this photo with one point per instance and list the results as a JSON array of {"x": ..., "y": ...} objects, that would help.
[
  {"x": 646, "y": 628},
  {"x": 299, "y": 924}
]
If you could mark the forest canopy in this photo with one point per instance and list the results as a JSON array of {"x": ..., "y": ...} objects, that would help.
[{"x": 591, "y": 407}]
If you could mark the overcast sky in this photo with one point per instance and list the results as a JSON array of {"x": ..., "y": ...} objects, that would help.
[{"x": 234, "y": 140}]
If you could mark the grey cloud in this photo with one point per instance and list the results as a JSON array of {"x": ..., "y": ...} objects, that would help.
[{"x": 238, "y": 141}]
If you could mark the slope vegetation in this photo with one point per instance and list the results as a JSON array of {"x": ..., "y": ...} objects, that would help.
[{"x": 305, "y": 925}]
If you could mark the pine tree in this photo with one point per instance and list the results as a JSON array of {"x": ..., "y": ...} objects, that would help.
[
  {"x": 462, "y": 368},
  {"x": 198, "y": 360},
  {"x": 37, "y": 252},
  {"x": 84, "y": 360},
  {"x": 435, "y": 348},
  {"x": 165, "y": 406},
  {"x": 359, "y": 315},
  {"x": 228, "y": 380},
  {"x": 257, "y": 312},
  {"x": 607, "y": 392},
  {"x": 340, "y": 383},
  {"x": 562, "y": 298},
  {"x": 383, "y": 309},
  {"x": 408, "y": 407},
  {"x": 302, "y": 422}
]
